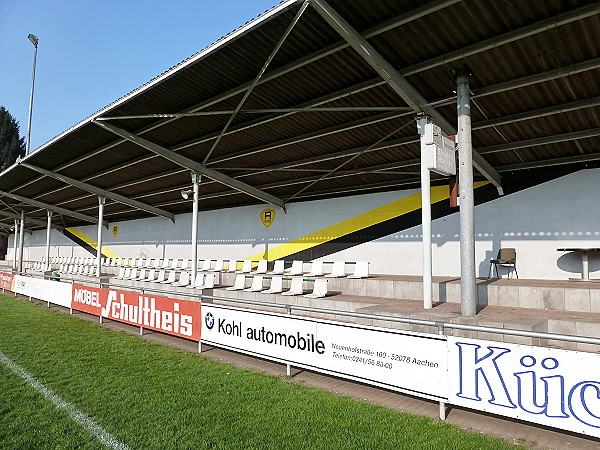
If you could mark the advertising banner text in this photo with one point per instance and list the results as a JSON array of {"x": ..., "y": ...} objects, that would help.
[{"x": 177, "y": 317}]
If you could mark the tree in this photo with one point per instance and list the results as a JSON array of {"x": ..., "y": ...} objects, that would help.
[{"x": 11, "y": 144}]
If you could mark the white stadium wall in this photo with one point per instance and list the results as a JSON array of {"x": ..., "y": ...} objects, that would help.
[{"x": 536, "y": 221}]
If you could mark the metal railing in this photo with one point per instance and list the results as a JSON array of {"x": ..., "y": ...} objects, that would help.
[{"x": 439, "y": 325}]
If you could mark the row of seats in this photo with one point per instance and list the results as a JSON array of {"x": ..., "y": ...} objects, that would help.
[
  {"x": 276, "y": 287},
  {"x": 207, "y": 281},
  {"x": 77, "y": 269},
  {"x": 317, "y": 268},
  {"x": 76, "y": 260},
  {"x": 338, "y": 268},
  {"x": 37, "y": 265},
  {"x": 172, "y": 277}
]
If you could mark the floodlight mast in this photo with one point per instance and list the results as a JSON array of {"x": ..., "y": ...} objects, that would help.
[{"x": 34, "y": 40}]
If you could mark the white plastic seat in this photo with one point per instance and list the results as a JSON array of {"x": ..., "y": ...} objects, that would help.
[
  {"x": 295, "y": 287},
  {"x": 232, "y": 265},
  {"x": 121, "y": 274},
  {"x": 257, "y": 284},
  {"x": 184, "y": 279},
  {"x": 161, "y": 276},
  {"x": 127, "y": 273},
  {"x": 209, "y": 281},
  {"x": 151, "y": 275},
  {"x": 316, "y": 269},
  {"x": 141, "y": 275},
  {"x": 276, "y": 286},
  {"x": 240, "y": 283},
  {"x": 295, "y": 269},
  {"x": 171, "y": 278},
  {"x": 206, "y": 265},
  {"x": 361, "y": 270},
  {"x": 278, "y": 267},
  {"x": 320, "y": 289},
  {"x": 133, "y": 274},
  {"x": 175, "y": 263},
  {"x": 185, "y": 264},
  {"x": 246, "y": 267},
  {"x": 166, "y": 263},
  {"x": 156, "y": 263},
  {"x": 219, "y": 265},
  {"x": 199, "y": 281},
  {"x": 262, "y": 266},
  {"x": 338, "y": 270}
]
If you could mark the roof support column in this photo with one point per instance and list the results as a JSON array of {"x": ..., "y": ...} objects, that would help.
[
  {"x": 48, "y": 230},
  {"x": 15, "y": 244},
  {"x": 101, "y": 201},
  {"x": 21, "y": 241},
  {"x": 468, "y": 287},
  {"x": 425, "y": 217},
  {"x": 195, "y": 181}
]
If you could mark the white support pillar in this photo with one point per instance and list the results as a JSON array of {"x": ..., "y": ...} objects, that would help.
[
  {"x": 195, "y": 181},
  {"x": 101, "y": 201},
  {"x": 16, "y": 244},
  {"x": 425, "y": 217},
  {"x": 21, "y": 241},
  {"x": 48, "y": 230},
  {"x": 468, "y": 284}
]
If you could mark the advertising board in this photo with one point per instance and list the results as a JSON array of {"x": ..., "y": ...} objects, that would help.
[
  {"x": 177, "y": 317},
  {"x": 46, "y": 290},
  {"x": 557, "y": 388},
  {"x": 6, "y": 281},
  {"x": 408, "y": 362}
]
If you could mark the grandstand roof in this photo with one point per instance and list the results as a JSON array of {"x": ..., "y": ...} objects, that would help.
[{"x": 321, "y": 121}]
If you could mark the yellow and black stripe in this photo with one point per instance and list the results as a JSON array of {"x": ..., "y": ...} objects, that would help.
[
  {"x": 89, "y": 244},
  {"x": 392, "y": 218}
]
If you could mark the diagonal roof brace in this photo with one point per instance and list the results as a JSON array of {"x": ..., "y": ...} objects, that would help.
[
  {"x": 58, "y": 209},
  {"x": 102, "y": 192},
  {"x": 397, "y": 82},
  {"x": 194, "y": 166}
]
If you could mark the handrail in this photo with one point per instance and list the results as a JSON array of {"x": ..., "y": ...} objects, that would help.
[{"x": 288, "y": 307}]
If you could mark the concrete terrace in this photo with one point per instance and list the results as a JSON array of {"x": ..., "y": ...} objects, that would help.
[{"x": 550, "y": 306}]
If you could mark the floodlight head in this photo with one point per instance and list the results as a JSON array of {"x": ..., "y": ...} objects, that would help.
[
  {"x": 34, "y": 39},
  {"x": 185, "y": 193}
]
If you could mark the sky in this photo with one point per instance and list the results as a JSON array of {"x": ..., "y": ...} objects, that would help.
[{"x": 92, "y": 52}]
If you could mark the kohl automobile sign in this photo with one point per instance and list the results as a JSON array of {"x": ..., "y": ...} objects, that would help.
[
  {"x": 558, "y": 388},
  {"x": 414, "y": 363}
]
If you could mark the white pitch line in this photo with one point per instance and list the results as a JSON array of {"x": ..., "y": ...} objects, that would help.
[{"x": 107, "y": 439}]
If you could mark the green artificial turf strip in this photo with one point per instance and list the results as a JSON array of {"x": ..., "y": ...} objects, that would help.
[{"x": 152, "y": 396}]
